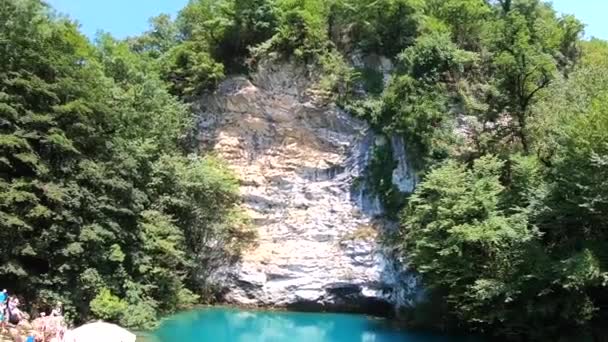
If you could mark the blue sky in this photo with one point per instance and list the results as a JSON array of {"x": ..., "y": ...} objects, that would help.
[
  {"x": 122, "y": 18},
  {"x": 591, "y": 12},
  {"x": 125, "y": 18}
]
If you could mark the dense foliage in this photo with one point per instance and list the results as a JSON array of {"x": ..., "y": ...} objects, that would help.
[
  {"x": 100, "y": 208},
  {"x": 509, "y": 231},
  {"x": 505, "y": 122},
  {"x": 517, "y": 244},
  {"x": 501, "y": 104}
]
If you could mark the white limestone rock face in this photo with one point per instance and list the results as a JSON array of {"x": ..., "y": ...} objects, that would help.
[{"x": 298, "y": 164}]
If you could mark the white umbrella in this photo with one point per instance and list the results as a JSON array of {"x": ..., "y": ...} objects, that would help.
[{"x": 100, "y": 332}]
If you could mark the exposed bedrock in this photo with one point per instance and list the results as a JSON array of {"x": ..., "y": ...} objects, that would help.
[{"x": 300, "y": 166}]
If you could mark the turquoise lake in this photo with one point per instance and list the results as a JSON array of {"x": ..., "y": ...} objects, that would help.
[{"x": 233, "y": 325}]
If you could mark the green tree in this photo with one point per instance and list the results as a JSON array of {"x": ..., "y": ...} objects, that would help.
[
  {"x": 227, "y": 29},
  {"x": 464, "y": 243},
  {"x": 108, "y": 306},
  {"x": 163, "y": 35},
  {"x": 83, "y": 132},
  {"x": 517, "y": 247},
  {"x": 302, "y": 30},
  {"x": 384, "y": 27},
  {"x": 525, "y": 42},
  {"x": 190, "y": 70},
  {"x": 465, "y": 18},
  {"x": 202, "y": 195},
  {"x": 416, "y": 102}
]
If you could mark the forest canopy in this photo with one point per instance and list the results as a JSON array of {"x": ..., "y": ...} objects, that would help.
[
  {"x": 501, "y": 104},
  {"x": 101, "y": 207}
]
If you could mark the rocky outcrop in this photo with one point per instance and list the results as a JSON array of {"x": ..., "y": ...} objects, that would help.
[{"x": 300, "y": 166}]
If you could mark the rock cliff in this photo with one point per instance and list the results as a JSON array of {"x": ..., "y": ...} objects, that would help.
[{"x": 300, "y": 166}]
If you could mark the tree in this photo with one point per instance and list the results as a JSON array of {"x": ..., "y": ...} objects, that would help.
[
  {"x": 83, "y": 130},
  {"x": 385, "y": 27},
  {"x": 466, "y": 20},
  {"x": 163, "y": 35},
  {"x": 517, "y": 247},
  {"x": 302, "y": 30},
  {"x": 462, "y": 240},
  {"x": 227, "y": 29},
  {"x": 415, "y": 102},
  {"x": 190, "y": 70},
  {"x": 202, "y": 195},
  {"x": 524, "y": 43},
  {"x": 571, "y": 141}
]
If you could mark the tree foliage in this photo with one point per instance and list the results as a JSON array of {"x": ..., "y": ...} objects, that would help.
[
  {"x": 520, "y": 251},
  {"x": 87, "y": 135}
]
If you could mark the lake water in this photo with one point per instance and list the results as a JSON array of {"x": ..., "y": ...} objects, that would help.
[{"x": 233, "y": 325}]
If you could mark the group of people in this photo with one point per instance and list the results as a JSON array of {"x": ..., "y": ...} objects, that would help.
[{"x": 11, "y": 316}]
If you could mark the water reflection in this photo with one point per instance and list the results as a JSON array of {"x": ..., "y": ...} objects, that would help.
[{"x": 228, "y": 325}]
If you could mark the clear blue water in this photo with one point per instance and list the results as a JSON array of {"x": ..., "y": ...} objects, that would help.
[{"x": 233, "y": 325}]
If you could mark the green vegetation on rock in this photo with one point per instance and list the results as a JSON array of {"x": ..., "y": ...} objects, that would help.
[{"x": 380, "y": 178}]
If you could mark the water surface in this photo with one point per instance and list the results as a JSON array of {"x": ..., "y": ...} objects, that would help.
[{"x": 233, "y": 325}]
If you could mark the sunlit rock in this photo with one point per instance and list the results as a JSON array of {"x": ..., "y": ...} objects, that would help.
[{"x": 301, "y": 166}]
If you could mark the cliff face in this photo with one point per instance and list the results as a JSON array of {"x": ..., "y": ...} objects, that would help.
[{"x": 300, "y": 166}]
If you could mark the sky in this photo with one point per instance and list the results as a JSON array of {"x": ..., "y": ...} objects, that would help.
[
  {"x": 123, "y": 18},
  {"x": 591, "y": 12}
]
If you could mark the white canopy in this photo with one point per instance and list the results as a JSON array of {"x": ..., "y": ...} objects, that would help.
[{"x": 100, "y": 332}]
